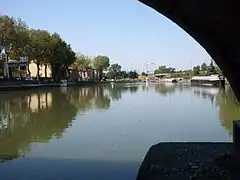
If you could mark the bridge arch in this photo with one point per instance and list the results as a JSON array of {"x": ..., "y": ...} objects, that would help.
[{"x": 214, "y": 25}]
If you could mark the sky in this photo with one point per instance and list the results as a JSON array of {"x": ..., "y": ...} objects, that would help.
[{"x": 127, "y": 31}]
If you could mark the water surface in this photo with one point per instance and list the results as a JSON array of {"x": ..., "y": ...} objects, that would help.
[{"x": 105, "y": 129}]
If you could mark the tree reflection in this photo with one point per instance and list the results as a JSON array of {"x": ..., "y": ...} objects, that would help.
[
  {"x": 164, "y": 88},
  {"x": 207, "y": 93},
  {"x": 102, "y": 100},
  {"x": 116, "y": 92},
  {"x": 39, "y": 116},
  {"x": 33, "y": 117},
  {"x": 87, "y": 98},
  {"x": 229, "y": 109}
]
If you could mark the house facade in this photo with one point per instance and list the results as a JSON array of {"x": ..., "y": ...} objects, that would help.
[{"x": 33, "y": 70}]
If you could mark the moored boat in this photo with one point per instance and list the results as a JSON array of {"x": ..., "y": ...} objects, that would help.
[
  {"x": 63, "y": 83},
  {"x": 212, "y": 80},
  {"x": 172, "y": 80}
]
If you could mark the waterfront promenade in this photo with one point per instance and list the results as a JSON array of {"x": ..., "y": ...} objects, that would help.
[{"x": 20, "y": 85}]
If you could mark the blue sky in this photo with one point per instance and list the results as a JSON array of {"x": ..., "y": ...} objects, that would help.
[{"x": 127, "y": 31}]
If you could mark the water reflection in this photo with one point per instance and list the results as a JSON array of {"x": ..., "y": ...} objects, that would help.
[
  {"x": 165, "y": 88},
  {"x": 118, "y": 90},
  {"x": 39, "y": 116},
  {"x": 226, "y": 101},
  {"x": 229, "y": 109},
  {"x": 32, "y": 117}
]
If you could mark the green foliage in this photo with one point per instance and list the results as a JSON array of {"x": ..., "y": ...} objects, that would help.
[
  {"x": 132, "y": 74},
  {"x": 82, "y": 62},
  {"x": 39, "y": 46},
  {"x": 211, "y": 68},
  {"x": 101, "y": 63},
  {"x": 144, "y": 74},
  {"x": 114, "y": 71},
  {"x": 7, "y": 32},
  {"x": 44, "y": 48},
  {"x": 164, "y": 69},
  {"x": 124, "y": 74},
  {"x": 196, "y": 70},
  {"x": 176, "y": 75},
  {"x": 204, "y": 67}
]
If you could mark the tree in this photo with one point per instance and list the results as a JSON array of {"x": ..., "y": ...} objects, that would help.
[
  {"x": 20, "y": 45},
  {"x": 124, "y": 74},
  {"x": 70, "y": 58},
  {"x": 7, "y": 33},
  {"x": 41, "y": 40},
  {"x": 101, "y": 63},
  {"x": 204, "y": 67},
  {"x": 161, "y": 69},
  {"x": 39, "y": 47},
  {"x": 196, "y": 70},
  {"x": 114, "y": 71},
  {"x": 218, "y": 70},
  {"x": 62, "y": 56},
  {"x": 211, "y": 68},
  {"x": 82, "y": 62},
  {"x": 164, "y": 69},
  {"x": 133, "y": 74},
  {"x": 144, "y": 74},
  {"x": 170, "y": 70}
]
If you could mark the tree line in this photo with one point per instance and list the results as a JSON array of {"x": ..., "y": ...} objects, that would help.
[
  {"x": 102, "y": 63},
  {"x": 39, "y": 46},
  {"x": 50, "y": 50},
  {"x": 198, "y": 70}
]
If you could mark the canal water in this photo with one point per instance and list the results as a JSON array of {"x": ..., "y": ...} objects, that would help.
[{"x": 104, "y": 132}]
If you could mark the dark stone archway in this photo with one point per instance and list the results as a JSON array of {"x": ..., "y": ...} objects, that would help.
[{"x": 214, "y": 24}]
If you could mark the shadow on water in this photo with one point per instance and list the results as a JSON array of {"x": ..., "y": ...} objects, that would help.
[
  {"x": 181, "y": 161},
  {"x": 194, "y": 160},
  {"x": 39, "y": 116},
  {"x": 55, "y": 169}
]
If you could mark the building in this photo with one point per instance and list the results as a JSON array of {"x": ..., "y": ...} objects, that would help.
[{"x": 33, "y": 70}]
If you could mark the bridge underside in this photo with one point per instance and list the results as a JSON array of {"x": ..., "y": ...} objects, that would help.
[{"x": 214, "y": 24}]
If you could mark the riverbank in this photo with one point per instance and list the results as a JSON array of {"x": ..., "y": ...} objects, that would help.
[
  {"x": 11, "y": 87},
  {"x": 181, "y": 161}
]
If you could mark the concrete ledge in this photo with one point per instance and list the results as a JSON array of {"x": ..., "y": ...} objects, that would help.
[
  {"x": 34, "y": 86},
  {"x": 236, "y": 134},
  {"x": 182, "y": 161},
  {"x": 26, "y": 86}
]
